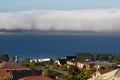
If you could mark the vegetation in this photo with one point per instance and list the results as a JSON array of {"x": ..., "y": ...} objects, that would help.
[
  {"x": 4, "y": 57},
  {"x": 32, "y": 64},
  {"x": 74, "y": 73},
  {"x": 115, "y": 58},
  {"x": 4, "y": 78},
  {"x": 71, "y": 72},
  {"x": 51, "y": 74},
  {"x": 26, "y": 62}
]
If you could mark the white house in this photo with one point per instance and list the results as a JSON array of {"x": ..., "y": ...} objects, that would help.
[
  {"x": 41, "y": 60},
  {"x": 112, "y": 75}
]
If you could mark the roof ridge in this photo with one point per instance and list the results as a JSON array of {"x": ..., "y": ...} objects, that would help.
[
  {"x": 117, "y": 73},
  {"x": 2, "y": 64}
]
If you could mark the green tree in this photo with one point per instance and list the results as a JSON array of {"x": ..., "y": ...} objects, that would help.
[
  {"x": 76, "y": 74},
  {"x": 51, "y": 74},
  {"x": 13, "y": 60},
  {"x": 37, "y": 62},
  {"x": 27, "y": 62},
  {"x": 51, "y": 62},
  {"x": 116, "y": 59},
  {"x": 4, "y": 57},
  {"x": 32, "y": 64}
]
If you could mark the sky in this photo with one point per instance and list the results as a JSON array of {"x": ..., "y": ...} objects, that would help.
[
  {"x": 73, "y": 15},
  {"x": 19, "y": 5}
]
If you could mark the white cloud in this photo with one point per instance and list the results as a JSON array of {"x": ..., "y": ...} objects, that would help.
[{"x": 96, "y": 20}]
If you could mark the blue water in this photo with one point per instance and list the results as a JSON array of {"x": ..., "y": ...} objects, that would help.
[{"x": 43, "y": 45}]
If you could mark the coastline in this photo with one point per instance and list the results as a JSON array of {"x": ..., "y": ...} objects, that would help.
[{"x": 3, "y": 33}]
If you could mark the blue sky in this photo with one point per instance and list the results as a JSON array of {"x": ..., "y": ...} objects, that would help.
[{"x": 19, "y": 5}]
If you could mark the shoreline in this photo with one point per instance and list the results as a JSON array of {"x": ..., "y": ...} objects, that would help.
[{"x": 3, "y": 33}]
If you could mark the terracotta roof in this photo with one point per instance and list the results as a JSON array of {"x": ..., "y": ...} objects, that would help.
[
  {"x": 12, "y": 66},
  {"x": 5, "y": 73},
  {"x": 43, "y": 77},
  {"x": 105, "y": 71}
]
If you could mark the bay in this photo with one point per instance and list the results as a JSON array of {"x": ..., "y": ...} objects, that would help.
[{"x": 53, "y": 46}]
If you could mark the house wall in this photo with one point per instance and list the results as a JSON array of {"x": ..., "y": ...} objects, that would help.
[
  {"x": 71, "y": 63},
  {"x": 80, "y": 65}
]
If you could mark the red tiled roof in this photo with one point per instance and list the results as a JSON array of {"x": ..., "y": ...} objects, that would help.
[
  {"x": 5, "y": 73},
  {"x": 11, "y": 66},
  {"x": 105, "y": 71},
  {"x": 43, "y": 77}
]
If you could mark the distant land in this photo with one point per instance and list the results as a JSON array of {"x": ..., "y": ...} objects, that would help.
[
  {"x": 7, "y": 31},
  {"x": 55, "y": 32}
]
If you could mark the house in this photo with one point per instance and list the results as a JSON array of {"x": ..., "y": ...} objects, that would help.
[
  {"x": 65, "y": 60},
  {"x": 61, "y": 62},
  {"x": 41, "y": 60},
  {"x": 78, "y": 62},
  {"x": 91, "y": 66},
  {"x": 12, "y": 66},
  {"x": 96, "y": 64},
  {"x": 96, "y": 74},
  {"x": 42, "y": 77},
  {"x": 80, "y": 65},
  {"x": 72, "y": 62},
  {"x": 70, "y": 57},
  {"x": 23, "y": 73},
  {"x": 15, "y": 71},
  {"x": 6, "y": 74},
  {"x": 109, "y": 75}
]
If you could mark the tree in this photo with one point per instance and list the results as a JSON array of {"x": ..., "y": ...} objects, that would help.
[
  {"x": 51, "y": 62},
  {"x": 13, "y": 60},
  {"x": 4, "y": 57},
  {"x": 37, "y": 62},
  {"x": 32, "y": 64},
  {"x": 27, "y": 62},
  {"x": 116, "y": 59},
  {"x": 51, "y": 74},
  {"x": 76, "y": 74}
]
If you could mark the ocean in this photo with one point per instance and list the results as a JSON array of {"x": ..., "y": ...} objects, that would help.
[{"x": 53, "y": 46}]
